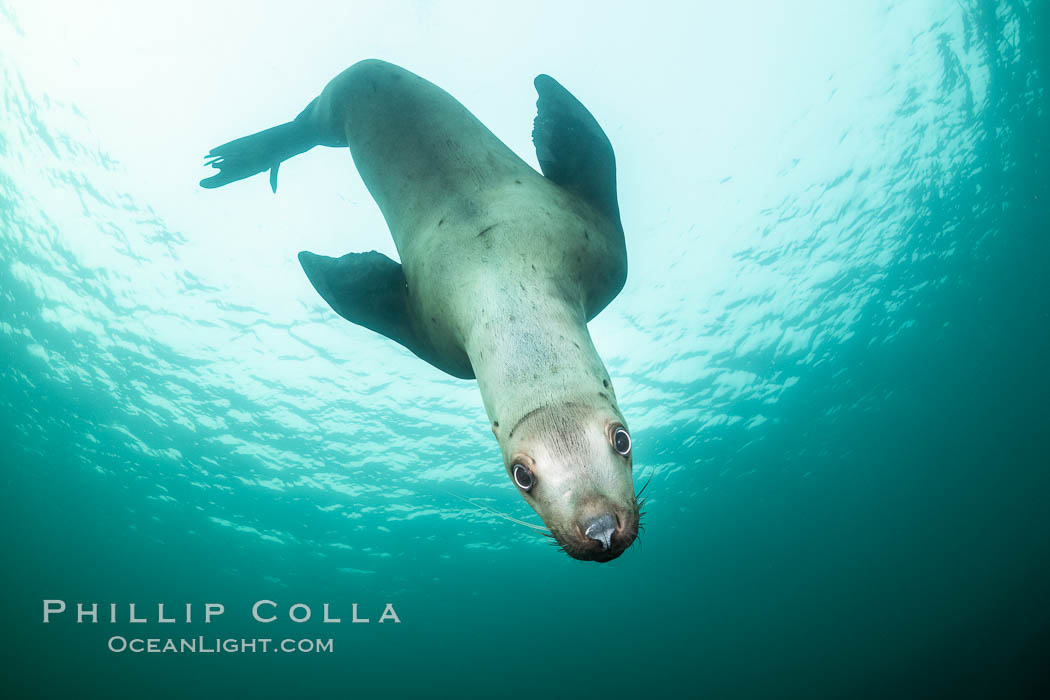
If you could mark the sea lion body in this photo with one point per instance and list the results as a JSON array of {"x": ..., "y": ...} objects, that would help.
[
  {"x": 501, "y": 268},
  {"x": 472, "y": 222}
]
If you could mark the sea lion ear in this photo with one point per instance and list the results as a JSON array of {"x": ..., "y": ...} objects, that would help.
[{"x": 572, "y": 149}]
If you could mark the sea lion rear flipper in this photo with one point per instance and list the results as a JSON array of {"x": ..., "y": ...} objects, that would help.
[
  {"x": 369, "y": 289},
  {"x": 572, "y": 149},
  {"x": 258, "y": 153}
]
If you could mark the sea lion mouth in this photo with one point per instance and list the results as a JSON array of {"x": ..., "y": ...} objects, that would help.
[{"x": 601, "y": 538}]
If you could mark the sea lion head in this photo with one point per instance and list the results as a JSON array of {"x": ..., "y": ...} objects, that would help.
[{"x": 573, "y": 464}]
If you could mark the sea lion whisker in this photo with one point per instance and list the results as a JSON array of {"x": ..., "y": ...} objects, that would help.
[
  {"x": 538, "y": 528},
  {"x": 646, "y": 484}
]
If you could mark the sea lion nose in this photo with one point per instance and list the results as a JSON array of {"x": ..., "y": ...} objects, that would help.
[{"x": 601, "y": 529}]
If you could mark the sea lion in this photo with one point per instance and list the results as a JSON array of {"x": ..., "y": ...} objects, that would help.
[{"x": 501, "y": 269}]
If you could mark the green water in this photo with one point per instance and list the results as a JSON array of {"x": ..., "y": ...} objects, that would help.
[{"x": 831, "y": 350}]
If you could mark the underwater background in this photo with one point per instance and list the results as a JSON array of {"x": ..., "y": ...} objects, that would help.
[{"x": 831, "y": 350}]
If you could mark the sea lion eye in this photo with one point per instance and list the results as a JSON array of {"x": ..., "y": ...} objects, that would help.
[
  {"x": 523, "y": 477},
  {"x": 621, "y": 441}
]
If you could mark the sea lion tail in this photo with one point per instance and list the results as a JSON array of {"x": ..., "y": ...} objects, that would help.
[{"x": 259, "y": 152}]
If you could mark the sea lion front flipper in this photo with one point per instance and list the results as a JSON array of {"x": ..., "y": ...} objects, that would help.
[
  {"x": 572, "y": 149},
  {"x": 370, "y": 289}
]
